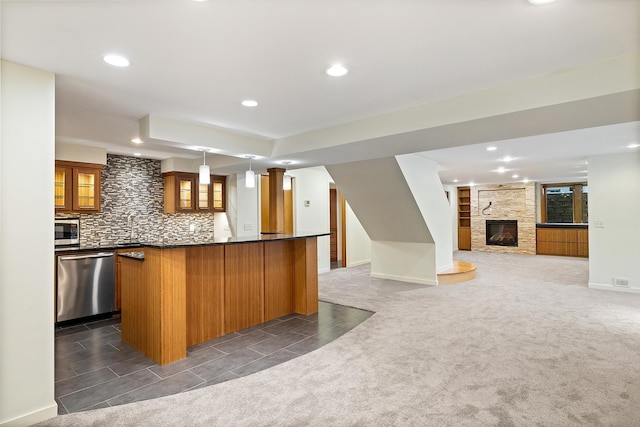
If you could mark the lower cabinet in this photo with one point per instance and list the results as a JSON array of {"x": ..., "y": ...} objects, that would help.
[
  {"x": 180, "y": 297},
  {"x": 562, "y": 241}
]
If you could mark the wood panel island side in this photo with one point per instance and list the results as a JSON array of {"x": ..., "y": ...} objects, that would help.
[{"x": 178, "y": 295}]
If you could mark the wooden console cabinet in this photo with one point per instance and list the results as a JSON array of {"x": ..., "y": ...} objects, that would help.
[{"x": 563, "y": 241}]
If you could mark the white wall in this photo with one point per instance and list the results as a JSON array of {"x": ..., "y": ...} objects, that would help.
[
  {"x": 422, "y": 177},
  {"x": 26, "y": 241},
  {"x": 404, "y": 261},
  {"x": 453, "y": 211},
  {"x": 614, "y": 199},
  {"x": 178, "y": 164},
  {"x": 312, "y": 185},
  {"x": 221, "y": 227},
  {"x": 81, "y": 153},
  {"x": 247, "y": 208},
  {"x": 358, "y": 241},
  {"x": 380, "y": 195}
]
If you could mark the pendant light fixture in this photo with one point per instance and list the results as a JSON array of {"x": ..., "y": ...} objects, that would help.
[
  {"x": 250, "y": 176},
  {"x": 286, "y": 179},
  {"x": 205, "y": 172}
]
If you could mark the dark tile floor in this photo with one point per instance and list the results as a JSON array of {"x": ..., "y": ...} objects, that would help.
[{"x": 95, "y": 369}]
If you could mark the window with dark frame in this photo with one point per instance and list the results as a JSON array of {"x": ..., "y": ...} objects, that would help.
[{"x": 565, "y": 203}]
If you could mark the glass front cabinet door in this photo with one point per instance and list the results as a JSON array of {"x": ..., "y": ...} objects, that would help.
[
  {"x": 62, "y": 189},
  {"x": 218, "y": 193},
  {"x": 86, "y": 186},
  {"x": 77, "y": 187}
]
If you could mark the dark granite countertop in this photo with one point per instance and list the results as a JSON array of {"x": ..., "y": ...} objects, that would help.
[
  {"x": 191, "y": 241},
  {"x": 180, "y": 243},
  {"x": 561, "y": 225},
  {"x": 137, "y": 255},
  {"x": 99, "y": 247}
]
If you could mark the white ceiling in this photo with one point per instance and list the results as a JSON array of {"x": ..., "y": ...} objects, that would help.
[{"x": 195, "y": 61}]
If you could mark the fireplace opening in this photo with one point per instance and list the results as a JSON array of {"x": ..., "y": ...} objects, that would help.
[{"x": 502, "y": 232}]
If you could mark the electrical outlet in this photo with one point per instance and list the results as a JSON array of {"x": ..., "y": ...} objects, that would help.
[
  {"x": 192, "y": 227},
  {"x": 598, "y": 224},
  {"x": 617, "y": 281},
  {"x": 248, "y": 227}
]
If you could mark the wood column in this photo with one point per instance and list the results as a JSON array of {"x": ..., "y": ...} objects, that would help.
[
  {"x": 276, "y": 200},
  {"x": 306, "y": 275}
]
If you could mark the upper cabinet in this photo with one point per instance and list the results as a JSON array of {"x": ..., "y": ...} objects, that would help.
[
  {"x": 77, "y": 187},
  {"x": 218, "y": 193},
  {"x": 184, "y": 193}
]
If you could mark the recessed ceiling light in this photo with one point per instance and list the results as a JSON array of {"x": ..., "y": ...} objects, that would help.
[
  {"x": 525, "y": 180},
  {"x": 136, "y": 141},
  {"x": 633, "y": 145},
  {"x": 515, "y": 175},
  {"x": 116, "y": 60},
  {"x": 501, "y": 170},
  {"x": 137, "y": 154},
  {"x": 539, "y": 2},
  {"x": 455, "y": 180},
  {"x": 250, "y": 103},
  {"x": 337, "y": 70},
  {"x": 507, "y": 159},
  {"x": 492, "y": 148},
  {"x": 471, "y": 184}
]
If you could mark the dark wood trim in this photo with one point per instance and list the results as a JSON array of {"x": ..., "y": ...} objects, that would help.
[
  {"x": 276, "y": 199},
  {"x": 68, "y": 164},
  {"x": 343, "y": 232},
  {"x": 576, "y": 188}
]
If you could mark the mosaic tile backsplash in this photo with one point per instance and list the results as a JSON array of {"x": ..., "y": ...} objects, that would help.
[{"x": 132, "y": 208}]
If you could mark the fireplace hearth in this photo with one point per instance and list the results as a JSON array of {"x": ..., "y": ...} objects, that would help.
[{"x": 502, "y": 232}]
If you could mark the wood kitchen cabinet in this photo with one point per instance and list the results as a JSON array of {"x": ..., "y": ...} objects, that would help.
[
  {"x": 184, "y": 193},
  {"x": 218, "y": 193},
  {"x": 77, "y": 187},
  {"x": 179, "y": 192}
]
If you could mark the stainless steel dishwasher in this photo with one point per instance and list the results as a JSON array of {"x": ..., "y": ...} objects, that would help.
[{"x": 86, "y": 285}]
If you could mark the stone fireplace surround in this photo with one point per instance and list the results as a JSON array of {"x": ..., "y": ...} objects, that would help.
[{"x": 516, "y": 201}]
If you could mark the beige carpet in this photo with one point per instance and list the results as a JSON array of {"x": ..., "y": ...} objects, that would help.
[{"x": 526, "y": 343}]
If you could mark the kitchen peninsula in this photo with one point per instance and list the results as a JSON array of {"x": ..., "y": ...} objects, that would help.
[{"x": 176, "y": 294}]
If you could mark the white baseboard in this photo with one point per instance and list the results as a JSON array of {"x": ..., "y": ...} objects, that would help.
[
  {"x": 613, "y": 288},
  {"x": 417, "y": 280},
  {"x": 323, "y": 270},
  {"x": 33, "y": 418},
  {"x": 357, "y": 263}
]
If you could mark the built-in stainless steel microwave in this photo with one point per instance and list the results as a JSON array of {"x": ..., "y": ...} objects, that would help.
[{"x": 67, "y": 231}]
